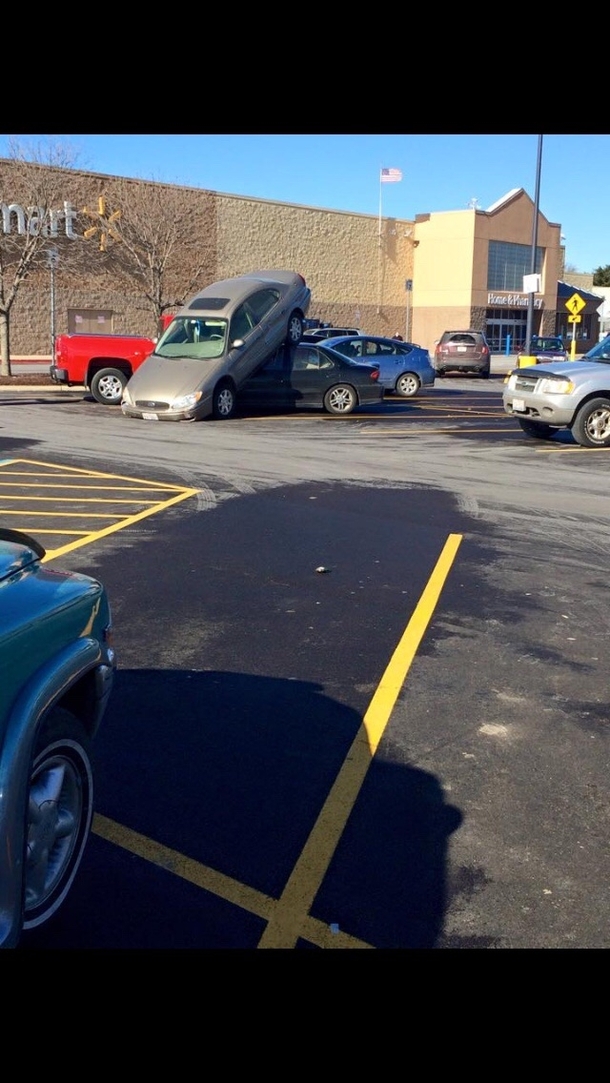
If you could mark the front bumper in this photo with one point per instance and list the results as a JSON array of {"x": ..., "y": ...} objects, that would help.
[{"x": 543, "y": 408}]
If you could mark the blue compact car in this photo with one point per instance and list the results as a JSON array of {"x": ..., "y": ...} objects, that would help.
[{"x": 404, "y": 367}]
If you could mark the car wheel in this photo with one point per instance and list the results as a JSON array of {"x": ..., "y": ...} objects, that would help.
[
  {"x": 484, "y": 374},
  {"x": 538, "y": 430},
  {"x": 224, "y": 403},
  {"x": 295, "y": 329},
  {"x": 407, "y": 385},
  {"x": 440, "y": 372},
  {"x": 340, "y": 399},
  {"x": 591, "y": 426},
  {"x": 107, "y": 386},
  {"x": 59, "y": 815}
]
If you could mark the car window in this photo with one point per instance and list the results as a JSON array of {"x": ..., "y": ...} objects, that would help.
[
  {"x": 276, "y": 363},
  {"x": 370, "y": 349},
  {"x": 260, "y": 303},
  {"x": 308, "y": 358},
  {"x": 242, "y": 322},
  {"x": 194, "y": 337},
  {"x": 461, "y": 339}
]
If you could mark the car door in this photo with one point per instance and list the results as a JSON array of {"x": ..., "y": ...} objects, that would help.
[
  {"x": 270, "y": 310},
  {"x": 312, "y": 372},
  {"x": 269, "y": 387}
]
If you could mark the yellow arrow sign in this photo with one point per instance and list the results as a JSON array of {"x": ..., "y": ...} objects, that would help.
[
  {"x": 575, "y": 304},
  {"x": 574, "y": 319}
]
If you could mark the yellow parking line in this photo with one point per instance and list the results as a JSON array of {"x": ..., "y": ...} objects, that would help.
[
  {"x": 288, "y": 917},
  {"x": 286, "y": 923},
  {"x": 225, "y": 887}
]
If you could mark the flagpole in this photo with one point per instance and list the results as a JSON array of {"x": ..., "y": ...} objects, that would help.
[
  {"x": 379, "y": 229},
  {"x": 379, "y": 250}
]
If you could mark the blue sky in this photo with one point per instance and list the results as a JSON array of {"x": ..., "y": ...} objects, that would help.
[{"x": 341, "y": 172}]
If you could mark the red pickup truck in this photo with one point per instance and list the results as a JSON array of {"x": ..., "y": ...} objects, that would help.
[{"x": 102, "y": 363}]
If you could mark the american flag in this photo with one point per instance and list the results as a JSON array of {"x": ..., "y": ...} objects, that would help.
[{"x": 389, "y": 175}]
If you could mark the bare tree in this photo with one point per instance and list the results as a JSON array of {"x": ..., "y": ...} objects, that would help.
[
  {"x": 160, "y": 248},
  {"x": 35, "y": 226}
]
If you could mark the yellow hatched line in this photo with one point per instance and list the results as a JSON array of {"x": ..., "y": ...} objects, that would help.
[
  {"x": 79, "y": 499},
  {"x": 88, "y": 488},
  {"x": 78, "y": 471},
  {"x": 124, "y": 521}
]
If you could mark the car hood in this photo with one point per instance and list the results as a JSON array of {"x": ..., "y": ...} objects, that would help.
[
  {"x": 161, "y": 379},
  {"x": 570, "y": 368}
]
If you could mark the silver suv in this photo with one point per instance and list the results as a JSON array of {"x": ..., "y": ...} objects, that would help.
[{"x": 572, "y": 395}]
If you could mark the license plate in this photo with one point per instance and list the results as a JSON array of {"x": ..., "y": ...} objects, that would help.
[
  {"x": 461, "y": 349},
  {"x": 150, "y": 417},
  {"x": 518, "y": 406}
]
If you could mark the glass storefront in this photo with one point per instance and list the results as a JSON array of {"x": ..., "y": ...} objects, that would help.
[{"x": 506, "y": 327}]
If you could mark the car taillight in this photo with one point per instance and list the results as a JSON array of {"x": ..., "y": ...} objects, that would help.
[
  {"x": 374, "y": 374},
  {"x": 484, "y": 350}
]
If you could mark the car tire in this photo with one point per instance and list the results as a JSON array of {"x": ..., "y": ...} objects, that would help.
[
  {"x": 538, "y": 431},
  {"x": 107, "y": 386},
  {"x": 440, "y": 372},
  {"x": 295, "y": 329},
  {"x": 484, "y": 374},
  {"x": 407, "y": 385},
  {"x": 58, "y": 815},
  {"x": 341, "y": 399},
  {"x": 224, "y": 402},
  {"x": 591, "y": 426}
]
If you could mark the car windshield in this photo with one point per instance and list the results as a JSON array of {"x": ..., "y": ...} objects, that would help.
[
  {"x": 601, "y": 352},
  {"x": 547, "y": 343},
  {"x": 198, "y": 337}
]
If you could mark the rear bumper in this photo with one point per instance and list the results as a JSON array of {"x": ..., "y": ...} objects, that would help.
[{"x": 59, "y": 376}]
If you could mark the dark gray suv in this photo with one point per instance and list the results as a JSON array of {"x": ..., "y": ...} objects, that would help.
[{"x": 463, "y": 351}]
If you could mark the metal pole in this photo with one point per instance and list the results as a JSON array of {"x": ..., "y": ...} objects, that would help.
[
  {"x": 52, "y": 311},
  {"x": 530, "y": 296},
  {"x": 52, "y": 258}
]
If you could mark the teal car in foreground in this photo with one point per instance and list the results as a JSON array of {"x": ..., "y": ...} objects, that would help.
[{"x": 57, "y": 668}]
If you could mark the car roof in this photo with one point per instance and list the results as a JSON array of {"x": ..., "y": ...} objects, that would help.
[
  {"x": 220, "y": 297},
  {"x": 464, "y": 331}
]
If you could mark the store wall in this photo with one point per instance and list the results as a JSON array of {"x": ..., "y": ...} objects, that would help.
[
  {"x": 451, "y": 257},
  {"x": 355, "y": 274}
]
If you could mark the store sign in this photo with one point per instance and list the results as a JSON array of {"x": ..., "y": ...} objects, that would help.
[
  {"x": 37, "y": 221},
  {"x": 512, "y": 300}
]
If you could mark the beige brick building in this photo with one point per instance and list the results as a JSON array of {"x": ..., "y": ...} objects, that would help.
[{"x": 445, "y": 270}]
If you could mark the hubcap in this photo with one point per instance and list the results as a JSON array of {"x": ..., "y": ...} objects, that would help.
[
  {"x": 225, "y": 402},
  {"x": 598, "y": 426},
  {"x": 341, "y": 400}
]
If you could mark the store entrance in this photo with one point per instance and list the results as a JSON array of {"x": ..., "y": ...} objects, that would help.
[{"x": 506, "y": 329}]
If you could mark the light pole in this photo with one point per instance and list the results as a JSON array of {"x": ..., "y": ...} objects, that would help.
[
  {"x": 408, "y": 287},
  {"x": 52, "y": 261},
  {"x": 530, "y": 296}
]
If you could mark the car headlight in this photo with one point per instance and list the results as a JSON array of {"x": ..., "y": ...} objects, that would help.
[
  {"x": 127, "y": 397},
  {"x": 185, "y": 402},
  {"x": 555, "y": 387}
]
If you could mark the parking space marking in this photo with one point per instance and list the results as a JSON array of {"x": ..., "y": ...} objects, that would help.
[
  {"x": 287, "y": 921},
  {"x": 288, "y": 918},
  {"x": 225, "y": 887},
  {"x": 137, "y": 500}
]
